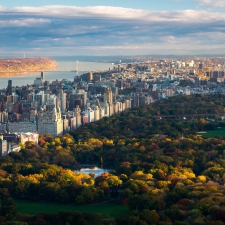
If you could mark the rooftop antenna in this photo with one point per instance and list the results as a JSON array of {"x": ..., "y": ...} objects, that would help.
[{"x": 77, "y": 68}]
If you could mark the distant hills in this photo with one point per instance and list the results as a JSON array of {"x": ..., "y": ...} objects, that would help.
[{"x": 26, "y": 64}]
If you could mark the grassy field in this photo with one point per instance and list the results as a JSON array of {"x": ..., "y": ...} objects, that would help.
[
  {"x": 106, "y": 208},
  {"x": 213, "y": 133}
]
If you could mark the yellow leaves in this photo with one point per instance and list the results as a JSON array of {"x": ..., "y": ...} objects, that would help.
[
  {"x": 142, "y": 148},
  {"x": 188, "y": 182},
  {"x": 168, "y": 139},
  {"x": 58, "y": 148},
  {"x": 89, "y": 182},
  {"x": 52, "y": 143},
  {"x": 203, "y": 121},
  {"x": 162, "y": 184},
  {"x": 148, "y": 176},
  {"x": 113, "y": 180},
  {"x": 69, "y": 141},
  {"x": 82, "y": 178},
  {"x": 139, "y": 175},
  {"x": 155, "y": 191},
  {"x": 66, "y": 171},
  {"x": 109, "y": 142},
  {"x": 22, "y": 145},
  {"x": 34, "y": 178},
  {"x": 91, "y": 144},
  {"x": 121, "y": 142},
  {"x": 123, "y": 176},
  {"x": 182, "y": 176},
  {"x": 95, "y": 142},
  {"x": 201, "y": 179},
  {"x": 57, "y": 141},
  {"x": 199, "y": 188},
  {"x": 185, "y": 173},
  {"x": 190, "y": 175},
  {"x": 136, "y": 144},
  {"x": 104, "y": 186},
  {"x": 212, "y": 189}
]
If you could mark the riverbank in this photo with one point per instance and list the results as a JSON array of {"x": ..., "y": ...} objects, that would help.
[{"x": 12, "y": 74}]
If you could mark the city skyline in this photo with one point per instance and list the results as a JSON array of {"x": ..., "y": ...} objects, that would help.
[{"x": 177, "y": 27}]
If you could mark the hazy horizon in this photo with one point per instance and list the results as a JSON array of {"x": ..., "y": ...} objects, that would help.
[{"x": 86, "y": 57}]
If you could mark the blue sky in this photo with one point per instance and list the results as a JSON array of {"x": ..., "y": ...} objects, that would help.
[{"x": 119, "y": 27}]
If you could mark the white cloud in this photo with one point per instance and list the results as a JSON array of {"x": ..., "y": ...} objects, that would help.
[
  {"x": 99, "y": 12},
  {"x": 113, "y": 29},
  {"x": 57, "y": 11},
  {"x": 212, "y": 3},
  {"x": 24, "y": 22}
]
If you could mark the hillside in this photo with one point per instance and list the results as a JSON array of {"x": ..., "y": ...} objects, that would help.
[{"x": 25, "y": 64}]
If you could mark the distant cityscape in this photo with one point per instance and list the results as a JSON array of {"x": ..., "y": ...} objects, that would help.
[{"x": 62, "y": 105}]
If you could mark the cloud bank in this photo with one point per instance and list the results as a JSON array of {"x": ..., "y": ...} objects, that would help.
[
  {"x": 101, "y": 30},
  {"x": 212, "y": 3}
]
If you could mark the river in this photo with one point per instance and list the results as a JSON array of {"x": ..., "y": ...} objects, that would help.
[{"x": 51, "y": 76}]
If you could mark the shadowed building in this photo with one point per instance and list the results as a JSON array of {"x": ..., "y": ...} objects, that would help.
[{"x": 9, "y": 87}]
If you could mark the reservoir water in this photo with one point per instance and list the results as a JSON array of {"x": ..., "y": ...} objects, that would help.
[
  {"x": 63, "y": 66},
  {"x": 93, "y": 169}
]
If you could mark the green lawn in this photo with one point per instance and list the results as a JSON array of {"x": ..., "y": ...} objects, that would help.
[
  {"x": 214, "y": 133},
  {"x": 106, "y": 208}
]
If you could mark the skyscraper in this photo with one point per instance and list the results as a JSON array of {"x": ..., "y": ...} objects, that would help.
[
  {"x": 42, "y": 76},
  {"x": 9, "y": 88}
]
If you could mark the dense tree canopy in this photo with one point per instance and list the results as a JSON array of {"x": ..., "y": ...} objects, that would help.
[{"x": 163, "y": 171}]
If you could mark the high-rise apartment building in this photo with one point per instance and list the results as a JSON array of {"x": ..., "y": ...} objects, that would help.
[
  {"x": 3, "y": 147},
  {"x": 78, "y": 95},
  {"x": 50, "y": 123},
  {"x": 108, "y": 96},
  {"x": 78, "y": 116},
  {"x": 62, "y": 97}
]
